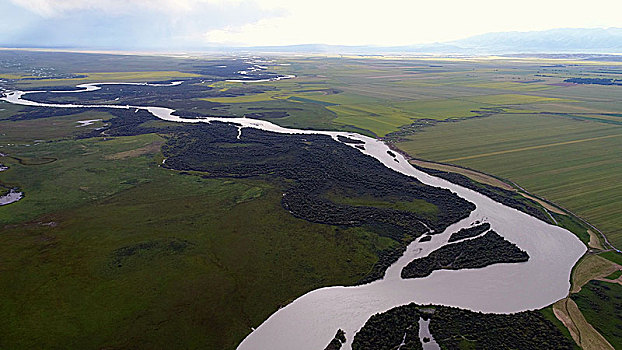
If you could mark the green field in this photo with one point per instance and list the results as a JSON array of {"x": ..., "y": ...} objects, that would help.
[
  {"x": 141, "y": 76},
  {"x": 613, "y": 256},
  {"x": 241, "y": 256},
  {"x": 615, "y": 275},
  {"x": 381, "y": 96},
  {"x": 600, "y": 303},
  {"x": 573, "y": 163},
  {"x": 417, "y": 206}
]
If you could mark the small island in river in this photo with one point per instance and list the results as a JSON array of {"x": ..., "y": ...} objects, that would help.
[{"x": 478, "y": 252}]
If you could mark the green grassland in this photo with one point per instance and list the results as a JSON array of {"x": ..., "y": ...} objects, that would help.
[
  {"x": 574, "y": 225},
  {"x": 613, "y": 256},
  {"x": 239, "y": 257},
  {"x": 68, "y": 69},
  {"x": 28, "y": 131},
  {"x": 78, "y": 172},
  {"x": 417, "y": 206},
  {"x": 7, "y": 110},
  {"x": 600, "y": 303},
  {"x": 615, "y": 275},
  {"x": 87, "y": 77},
  {"x": 510, "y": 86},
  {"x": 109, "y": 250},
  {"x": 550, "y": 316}
]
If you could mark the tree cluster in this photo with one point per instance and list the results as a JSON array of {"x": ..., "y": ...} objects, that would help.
[
  {"x": 595, "y": 81},
  {"x": 469, "y": 232},
  {"x": 454, "y": 328},
  {"x": 474, "y": 253},
  {"x": 337, "y": 341},
  {"x": 386, "y": 258},
  {"x": 390, "y": 329},
  {"x": 426, "y": 238},
  {"x": 349, "y": 140}
]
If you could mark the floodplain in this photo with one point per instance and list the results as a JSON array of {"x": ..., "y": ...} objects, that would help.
[{"x": 107, "y": 241}]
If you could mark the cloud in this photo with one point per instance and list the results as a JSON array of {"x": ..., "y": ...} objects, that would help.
[
  {"x": 53, "y": 8},
  {"x": 404, "y": 22},
  {"x": 196, "y": 23},
  {"x": 151, "y": 24}
]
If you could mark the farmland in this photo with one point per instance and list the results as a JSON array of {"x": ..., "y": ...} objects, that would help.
[
  {"x": 381, "y": 96},
  {"x": 574, "y": 163}
]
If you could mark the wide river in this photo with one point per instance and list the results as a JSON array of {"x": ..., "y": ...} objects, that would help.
[{"x": 311, "y": 321}]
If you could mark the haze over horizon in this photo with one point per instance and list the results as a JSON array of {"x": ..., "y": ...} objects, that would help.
[{"x": 193, "y": 24}]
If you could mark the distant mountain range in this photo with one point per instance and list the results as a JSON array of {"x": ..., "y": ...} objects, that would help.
[
  {"x": 554, "y": 40},
  {"x": 557, "y": 41},
  {"x": 578, "y": 42}
]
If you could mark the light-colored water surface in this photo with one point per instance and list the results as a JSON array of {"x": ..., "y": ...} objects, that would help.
[
  {"x": 82, "y": 123},
  {"x": 424, "y": 332},
  {"x": 11, "y": 197},
  {"x": 311, "y": 321}
]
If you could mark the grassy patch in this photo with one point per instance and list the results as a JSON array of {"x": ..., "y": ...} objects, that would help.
[
  {"x": 52, "y": 128},
  {"x": 7, "y": 110},
  {"x": 303, "y": 99},
  {"x": 511, "y": 99},
  {"x": 615, "y": 275},
  {"x": 138, "y": 76},
  {"x": 573, "y": 225},
  {"x": 97, "y": 77},
  {"x": 600, "y": 303},
  {"x": 418, "y": 206},
  {"x": 512, "y": 86},
  {"x": 612, "y": 256},
  {"x": 259, "y": 97},
  {"x": 379, "y": 125},
  {"x": 582, "y": 332},
  {"x": 548, "y": 313},
  {"x": 82, "y": 170},
  {"x": 588, "y": 268},
  {"x": 441, "y": 109}
]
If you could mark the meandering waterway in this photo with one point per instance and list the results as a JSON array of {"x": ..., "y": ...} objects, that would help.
[{"x": 311, "y": 321}]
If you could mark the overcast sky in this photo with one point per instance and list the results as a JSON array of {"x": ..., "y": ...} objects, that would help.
[{"x": 178, "y": 24}]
